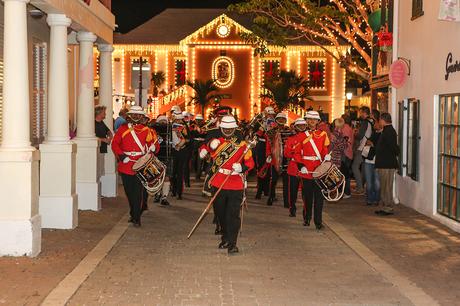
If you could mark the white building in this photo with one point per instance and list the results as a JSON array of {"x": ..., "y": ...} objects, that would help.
[
  {"x": 429, "y": 127},
  {"x": 46, "y": 82}
]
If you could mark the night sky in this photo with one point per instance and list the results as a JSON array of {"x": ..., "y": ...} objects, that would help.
[{"x": 131, "y": 13}]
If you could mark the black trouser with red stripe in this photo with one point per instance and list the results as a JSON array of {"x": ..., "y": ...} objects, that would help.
[
  {"x": 312, "y": 199},
  {"x": 136, "y": 194},
  {"x": 227, "y": 206},
  {"x": 293, "y": 187}
]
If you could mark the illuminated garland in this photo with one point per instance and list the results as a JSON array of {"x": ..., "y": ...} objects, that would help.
[{"x": 231, "y": 65}]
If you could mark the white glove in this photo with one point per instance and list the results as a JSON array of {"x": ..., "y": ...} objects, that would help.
[
  {"x": 203, "y": 153},
  {"x": 327, "y": 157},
  {"x": 304, "y": 170},
  {"x": 269, "y": 159},
  {"x": 237, "y": 167},
  {"x": 214, "y": 144},
  {"x": 126, "y": 160}
]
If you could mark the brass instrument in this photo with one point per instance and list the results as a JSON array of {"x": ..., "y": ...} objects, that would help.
[{"x": 207, "y": 126}]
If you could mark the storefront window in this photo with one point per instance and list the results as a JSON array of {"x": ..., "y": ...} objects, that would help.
[
  {"x": 409, "y": 137},
  {"x": 448, "y": 192}
]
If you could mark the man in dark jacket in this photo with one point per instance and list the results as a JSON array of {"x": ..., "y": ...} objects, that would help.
[{"x": 386, "y": 163}]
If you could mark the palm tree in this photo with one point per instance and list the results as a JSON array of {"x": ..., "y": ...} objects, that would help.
[
  {"x": 158, "y": 78},
  {"x": 286, "y": 89},
  {"x": 205, "y": 91}
]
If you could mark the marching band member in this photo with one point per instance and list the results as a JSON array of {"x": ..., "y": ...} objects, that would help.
[
  {"x": 198, "y": 136},
  {"x": 163, "y": 130},
  {"x": 189, "y": 149},
  {"x": 131, "y": 142},
  {"x": 180, "y": 139},
  {"x": 309, "y": 154},
  {"x": 232, "y": 157},
  {"x": 260, "y": 152},
  {"x": 300, "y": 125},
  {"x": 278, "y": 163}
]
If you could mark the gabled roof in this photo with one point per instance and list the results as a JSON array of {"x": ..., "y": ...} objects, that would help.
[{"x": 173, "y": 25}]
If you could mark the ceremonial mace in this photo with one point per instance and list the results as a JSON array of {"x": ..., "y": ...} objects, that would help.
[{"x": 208, "y": 207}]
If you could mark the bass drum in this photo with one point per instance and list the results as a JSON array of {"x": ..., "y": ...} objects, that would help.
[
  {"x": 330, "y": 180},
  {"x": 151, "y": 172}
]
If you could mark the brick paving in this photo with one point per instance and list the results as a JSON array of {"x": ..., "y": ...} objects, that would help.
[{"x": 280, "y": 263}]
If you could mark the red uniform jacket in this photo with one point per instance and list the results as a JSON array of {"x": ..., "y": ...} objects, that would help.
[
  {"x": 235, "y": 182},
  {"x": 289, "y": 149},
  {"x": 305, "y": 149},
  {"x": 123, "y": 143}
]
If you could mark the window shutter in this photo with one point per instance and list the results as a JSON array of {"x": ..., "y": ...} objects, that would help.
[{"x": 38, "y": 111}]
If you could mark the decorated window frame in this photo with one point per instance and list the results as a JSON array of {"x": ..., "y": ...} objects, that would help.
[
  {"x": 180, "y": 77},
  {"x": 319, "y": 80},
  {"x": 217, "y": 72},
  {"x": 270, "y": 60}
]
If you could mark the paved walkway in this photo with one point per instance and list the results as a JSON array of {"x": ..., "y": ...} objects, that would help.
[{"x": 280, "y": 263}]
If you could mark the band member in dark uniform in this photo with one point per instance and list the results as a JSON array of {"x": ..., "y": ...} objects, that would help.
[
  {"x": 131, "y": 142},
  {"x": 189, "y": 148},
  {"x": 180, "y": 139},
  {"x": 198, "y": 136},
  {"x": 232, "y": 157},
  {"x": 164, "y": 131},
  {"x": 300, "y": 125},
  {"x": 309, "y": 154}
]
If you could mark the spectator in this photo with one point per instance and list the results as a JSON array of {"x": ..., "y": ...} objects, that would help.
[
  {"x": 370, "y": 174},
  {"x": 121, "y": 119},
  {"x": 338, "y": 142},
  {"x": 347, "y": 158},
  {"x": 102, "y": 131},
  {"x": 364, "y": 133},
  {"x": 386, "y": 162}
]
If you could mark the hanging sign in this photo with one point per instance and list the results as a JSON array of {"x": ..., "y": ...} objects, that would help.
[
  {"x": 398, "y": 73},
  {"x": 449, "y": 10}
]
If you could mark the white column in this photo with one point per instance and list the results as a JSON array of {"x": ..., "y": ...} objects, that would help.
[
  {"x": 109, "y": 176},
  {"x": 20, "y": 224},
  {"x": 88, "y": 186},
  {"x": 58, "y": 198}
]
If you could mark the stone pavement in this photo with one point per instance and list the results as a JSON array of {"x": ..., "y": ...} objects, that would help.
[{"x": 280, "y": 263}]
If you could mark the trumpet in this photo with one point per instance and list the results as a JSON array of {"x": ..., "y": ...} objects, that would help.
[{"x": 208, "y": 124}]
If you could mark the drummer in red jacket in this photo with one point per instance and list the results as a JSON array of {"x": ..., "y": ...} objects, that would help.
[
  {"x": 233, "y": 158},
  {"x": 132, "y": 141},
  {"x": 309, "y": 154}
]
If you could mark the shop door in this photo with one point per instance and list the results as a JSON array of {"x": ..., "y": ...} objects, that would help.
[{"x": 448, "y": 193}]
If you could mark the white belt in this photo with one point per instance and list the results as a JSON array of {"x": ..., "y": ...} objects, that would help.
[
  {"x": 310, "y": 157},
  {"x": 133, "y": 153},
  {"x": 262, "y": 139},
  {"x": 199, "y": 139},
  {"x": 228, "y": 172}
]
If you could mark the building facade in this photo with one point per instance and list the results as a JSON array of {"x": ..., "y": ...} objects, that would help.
[
  {"x": 426, "y": 109},
  {"x": 47, "y": 88},
  {"x": 205, "y": 44}
]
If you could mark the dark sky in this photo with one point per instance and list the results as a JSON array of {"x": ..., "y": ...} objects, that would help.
[{"x": 131, "y": 13}]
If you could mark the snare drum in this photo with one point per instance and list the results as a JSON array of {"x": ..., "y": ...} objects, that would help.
[
  {"x": 330, "y": 180},
  {"x": 151, "y": 172}
]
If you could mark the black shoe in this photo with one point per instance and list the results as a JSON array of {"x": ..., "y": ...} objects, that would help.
[
  {"x": 164, "y": 202},
  {"x": 378, "y": 212},
  {"x": 218, "y": 231},
  {"x": 319, "y": 226},
  {"x": 232, "y": 249},
  {"x": 130, "y": 220},
  {"x": 306, "y": 223},
  {"x": 292, "y": 215},
  {"x": 386, "y": 213},
  {"x": 258, "y": 196},
  {"x": 137, "y": 223},
  {"x": 179, "y": 197},
  {"x": 270, "y": 202},
  {"x": 224, "y": 245},
  {"x": 157, "y": 199},
  {"x": 369, "y": 204}
]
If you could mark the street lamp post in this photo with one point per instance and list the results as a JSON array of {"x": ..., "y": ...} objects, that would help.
[{"x": 349, "y": 96}]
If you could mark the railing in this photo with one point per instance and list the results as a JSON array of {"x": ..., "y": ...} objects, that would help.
[{"x": 173, "y": 95}]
